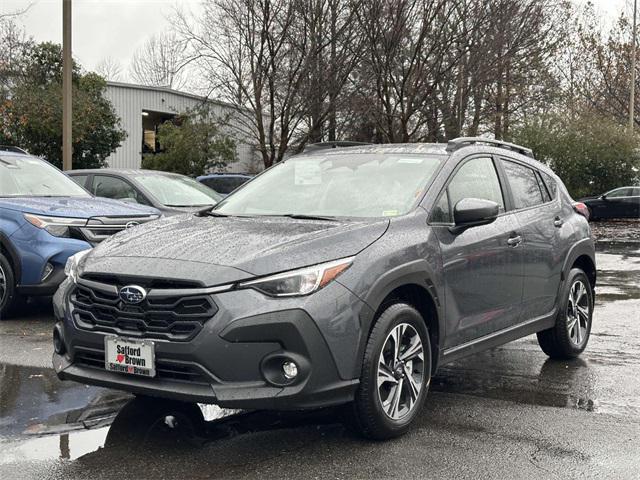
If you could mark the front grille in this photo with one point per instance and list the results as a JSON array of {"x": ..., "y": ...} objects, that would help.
[
  {"x": 98, "y": 307},
  {"x": 98, "y": 229},
  {"x": 165, "y": 370}
]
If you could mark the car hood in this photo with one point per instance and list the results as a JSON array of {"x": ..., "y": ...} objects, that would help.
[
  {"x": 216, "y": 250},
  {"x": 75, "y": 207}
]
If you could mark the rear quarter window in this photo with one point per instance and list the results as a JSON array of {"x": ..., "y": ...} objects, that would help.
[{"x": 550, "y": 183}]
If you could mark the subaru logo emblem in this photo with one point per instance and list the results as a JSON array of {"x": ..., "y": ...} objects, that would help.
[
  {"x": 132, "y": 294},
  {"x": 131, "y": 225}
]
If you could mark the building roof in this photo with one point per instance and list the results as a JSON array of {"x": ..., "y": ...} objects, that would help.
[{"x": 134, "y": 86}]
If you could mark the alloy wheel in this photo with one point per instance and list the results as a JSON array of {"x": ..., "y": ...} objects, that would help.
[
  {"x": 578, "y": 312},
  {"x": 400, "y": 371}
]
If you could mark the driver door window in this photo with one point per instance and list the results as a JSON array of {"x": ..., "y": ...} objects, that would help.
[
  {"x": 112, "y": 187},
  {"x": 477, "y": 178}
]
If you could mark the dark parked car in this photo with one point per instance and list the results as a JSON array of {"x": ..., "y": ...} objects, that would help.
[
  {"x": 621, "y": 202},
  {"x": 224, "y": 183},
  {"x": 341, "y": 276},
  {"x": 168, "y": 192}
]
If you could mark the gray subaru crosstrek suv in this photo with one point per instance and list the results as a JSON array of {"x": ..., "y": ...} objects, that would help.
[{"x": 339, "y": 276}]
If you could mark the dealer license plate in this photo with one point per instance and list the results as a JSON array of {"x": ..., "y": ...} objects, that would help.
[{"x": 134, "y": 357}]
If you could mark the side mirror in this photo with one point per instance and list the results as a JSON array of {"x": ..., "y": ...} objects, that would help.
[
  {"x": 473, "y": 212},
  {"x": 603, "y": 196}
]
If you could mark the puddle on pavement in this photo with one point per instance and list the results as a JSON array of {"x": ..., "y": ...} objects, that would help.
[{"x": 42, "y": 418}]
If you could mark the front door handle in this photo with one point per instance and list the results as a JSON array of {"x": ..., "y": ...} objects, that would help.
[
  {"x": 557, "y": 222},
  {"x": 514, "y": 241}
]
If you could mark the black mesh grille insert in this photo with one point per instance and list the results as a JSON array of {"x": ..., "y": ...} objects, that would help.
[
  {"x": 165, "y": 370},
  {"x": 161, "y": 317}
]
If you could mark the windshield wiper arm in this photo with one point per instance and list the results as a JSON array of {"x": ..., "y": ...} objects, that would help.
[
  {"x": 302, "y": 216},
  {"x": 209, "y": 211}
]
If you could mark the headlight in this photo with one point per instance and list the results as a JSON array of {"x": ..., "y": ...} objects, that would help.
[
  {"x": 56, "y": 226},
  {"x": 299, "y": 282},
  {"x": 73, "y": 265}
]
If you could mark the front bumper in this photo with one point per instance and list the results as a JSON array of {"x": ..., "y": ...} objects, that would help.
[
  {"x": 233, "y": 360},
  {"x": 46, "y": 288},
  {"x": 37, "y": 248}
]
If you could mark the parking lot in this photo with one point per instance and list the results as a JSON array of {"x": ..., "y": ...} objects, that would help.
[{"x": 503, "y": 413}]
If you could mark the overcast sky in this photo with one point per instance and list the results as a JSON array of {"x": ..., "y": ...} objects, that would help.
[{"x": 115, "y": 28}]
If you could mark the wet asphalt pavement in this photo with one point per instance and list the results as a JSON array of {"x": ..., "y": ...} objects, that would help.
[{"x": 509, "y": 412}]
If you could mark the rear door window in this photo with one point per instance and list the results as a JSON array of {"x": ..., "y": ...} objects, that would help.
[{"x": 524, "y": 185}]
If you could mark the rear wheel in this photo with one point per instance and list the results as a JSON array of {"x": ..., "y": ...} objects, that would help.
[
  {"x": 395, "y": 374},
  {"x": 569, "y": 336},
  {"x": 9, "y": 298}
]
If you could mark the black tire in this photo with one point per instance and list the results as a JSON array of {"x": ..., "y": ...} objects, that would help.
[
  {"x": 561, "y": 340},
  {"x": 368, "y": 416},
  {"x": 9, "y": 298}
]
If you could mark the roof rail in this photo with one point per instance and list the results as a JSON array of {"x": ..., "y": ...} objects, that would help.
[
  {"x": 10, "y": 148},
  {"x": 333, "y": 144},
  {"x": 458, "y": 143}
]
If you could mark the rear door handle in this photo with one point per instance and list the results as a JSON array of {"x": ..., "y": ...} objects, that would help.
[
  {"x": 514, "y": 241},
  {"x": 557, "y": 222}
]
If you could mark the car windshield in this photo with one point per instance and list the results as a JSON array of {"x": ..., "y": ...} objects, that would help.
[
  {"x": 337, "y": 185},
  {"x": 178, "y": 190},
  {"x": 25, "y": 176}
]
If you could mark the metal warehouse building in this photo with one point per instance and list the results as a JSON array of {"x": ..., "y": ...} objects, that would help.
[{"x": 142, "y": 109}]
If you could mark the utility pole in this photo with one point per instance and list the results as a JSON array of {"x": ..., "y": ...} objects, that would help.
[
  {"x": 67, "y": 69},
  {"x": 632, "y": 100}
]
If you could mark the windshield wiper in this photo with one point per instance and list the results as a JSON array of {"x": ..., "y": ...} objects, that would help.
[
  {"x": 209, "y": 211},
  {"x": 302, "y": 216}
]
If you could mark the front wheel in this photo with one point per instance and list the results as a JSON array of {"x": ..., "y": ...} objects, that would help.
[
  {"x": 569, "y": 336},
  {"x": 9, "y": 298},
  {"x": 396, "y": 373}
]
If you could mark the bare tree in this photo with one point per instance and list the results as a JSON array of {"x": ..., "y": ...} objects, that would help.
[
  {"x": 110, "y": 69},
  {"x": 16, "y": 13},
  {"x": 281, "y": 62},
  {"x": 302, "y": 71},
  {"x": 160, "y": 62},
  {"x": 13, "y": 45},
  {"x": 407, "y": 45}
]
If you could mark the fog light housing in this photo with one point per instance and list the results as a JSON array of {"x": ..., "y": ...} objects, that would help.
[
  {"x": 289, "y": 370},
  {"x": 48, "y": 268},
  {"x": 58, "y": 341}
]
